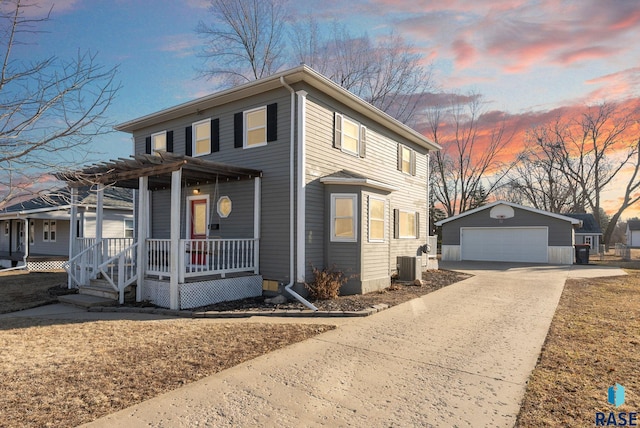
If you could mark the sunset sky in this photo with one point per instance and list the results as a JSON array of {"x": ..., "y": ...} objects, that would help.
[{"x": 525, "y": 57}]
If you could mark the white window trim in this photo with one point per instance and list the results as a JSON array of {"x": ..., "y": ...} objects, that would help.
[
  {"x": 48, "y": 227},
  {"x": 246, "y": 129},
  {"x": 153, "y": 138},
  {"x": 415, "y": 225},
  {"x": 354, "y": 198},
  {"x": 590, "y": 241},
  {"x": 402, "y": 150},
  {"x": 384, "y": 219},
  {"x": 125, "y": 228},
  {"x": 358, "y": 142},
  {"x": 194, "y": 137}
]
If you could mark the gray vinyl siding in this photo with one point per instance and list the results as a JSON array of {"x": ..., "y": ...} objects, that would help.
[
  {"x": 60, "y": 247},
  {"x": 560, "y": 231},
  {"x": 380, "y": 164},
  {"x": 272, "y": 159},
  {"x": 113, "y": 223}
]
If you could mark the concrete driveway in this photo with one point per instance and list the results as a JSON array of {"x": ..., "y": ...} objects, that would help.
[{"x": 460, "y": 356}]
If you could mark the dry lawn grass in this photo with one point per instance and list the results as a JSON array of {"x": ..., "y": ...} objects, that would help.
[
  {"x": 62, "y": 374},
  {"x": 22, "y": 290},
  {"x": 593, "y": 343}
]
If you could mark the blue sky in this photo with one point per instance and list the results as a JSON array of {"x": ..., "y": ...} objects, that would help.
[{"x": 523, "y": 55}]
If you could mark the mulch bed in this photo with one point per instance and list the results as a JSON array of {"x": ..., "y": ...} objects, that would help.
[{"x": 398, "y": 292}]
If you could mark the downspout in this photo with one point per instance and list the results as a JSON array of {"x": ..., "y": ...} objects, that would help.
[{"x": 291, "y": 200}]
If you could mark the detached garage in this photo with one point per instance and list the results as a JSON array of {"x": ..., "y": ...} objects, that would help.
[{"x": 507, "y": 232}]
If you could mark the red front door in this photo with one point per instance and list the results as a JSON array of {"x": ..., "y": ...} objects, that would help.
[{"x": 198, "y": 226}]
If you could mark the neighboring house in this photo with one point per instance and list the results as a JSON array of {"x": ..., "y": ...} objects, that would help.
[
  {"x": 507, "y": 232},
  {"x": 589, "y": 231},
  {"x": 252, "y": 187},
  {"x": 633, "y": 233},
  {"x": 35, "y": 232}
]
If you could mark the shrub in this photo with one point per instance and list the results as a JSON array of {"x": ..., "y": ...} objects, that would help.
[{"x": 326, "y": 283}]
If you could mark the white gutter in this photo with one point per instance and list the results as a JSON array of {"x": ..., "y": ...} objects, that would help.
[{"x": 291, "y": 200}]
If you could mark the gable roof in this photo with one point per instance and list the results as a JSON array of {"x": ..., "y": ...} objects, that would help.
[
  {"x": 60, "y": 199},
  {"x": 589, "y": 224},
  {"x": 302, "y": 73},
  {"x": 511, "y": 204},
  {"x": 633, "y": 224}
]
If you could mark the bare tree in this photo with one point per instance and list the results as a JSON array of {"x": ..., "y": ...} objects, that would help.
[
  {"x": 245, "y": 41},
  {"x": 387, "y": 73},
  {"x": 49, "y": 109},
  {"x": 469, "y": 163},
  {"x": 631, "y": 195},
  {"x": 593, "y": 150},
  {"x": 538, "y": 179}
]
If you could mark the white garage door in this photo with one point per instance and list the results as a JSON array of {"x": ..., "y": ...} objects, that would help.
[{"x": 504, "y": 244}]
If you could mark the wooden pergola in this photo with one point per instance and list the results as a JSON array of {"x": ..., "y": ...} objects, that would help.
[{"x": 153, "y": 172}]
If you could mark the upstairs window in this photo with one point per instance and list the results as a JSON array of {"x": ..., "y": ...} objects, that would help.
[
  {"x": 406, "y": 160},
  {"x": 159, "y": 142},
  {"x": 6, "y": 228},
  {"x": 202, "y": 138},
  {"x": 349, "y": 136},
  {"x": 256, "y": 127}
]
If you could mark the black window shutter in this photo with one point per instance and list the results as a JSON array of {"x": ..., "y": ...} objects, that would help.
[
  {"x": 147, "y": 145},
  {"x": 363, "y": 141},
  {"x": 188, "y": 141},
  {"x": 417, "y": 224},
  {"x": 238, "y": 130},
  {"x": 170, "y": 141},
  {"x": 337, "y": 137},
  {"x": 396, "y": 223},
  {"x": 215, "y": 135},
  {"x": 272, "y": 122},
  {"x": 399, "y": 157}
]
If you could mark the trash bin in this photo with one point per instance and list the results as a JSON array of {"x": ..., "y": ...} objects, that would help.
[{"x": 582, "y": 254}]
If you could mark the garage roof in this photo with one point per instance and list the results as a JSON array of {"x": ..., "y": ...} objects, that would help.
[{"x": 511, "y": 204}]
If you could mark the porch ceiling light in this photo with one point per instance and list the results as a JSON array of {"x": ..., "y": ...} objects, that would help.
[
  {"x": 196, "y": 191},
  {"x": 224, "y": 206}
]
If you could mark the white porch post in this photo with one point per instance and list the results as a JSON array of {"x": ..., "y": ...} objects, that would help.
[
  {"x": 176, "y": 196},
  {"x": 98, "y": 256},
  {"x": 73, "y": 228},
  {"x": 142, "y": 221},
  {"x": 257, "y": 198}
]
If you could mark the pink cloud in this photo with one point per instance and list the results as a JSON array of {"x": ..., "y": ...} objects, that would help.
[{"x": 465, "y": 53}]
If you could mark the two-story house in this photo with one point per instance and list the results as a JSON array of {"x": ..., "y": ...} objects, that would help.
[{"x": 249, "y": 188}]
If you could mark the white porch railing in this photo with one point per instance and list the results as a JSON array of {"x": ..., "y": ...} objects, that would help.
[
  {"x": 84, "y": 265},
  {"x": 110, "y": 246},
  {"x": 203, "y": 257},
  {"x": 120, "y": 270}
]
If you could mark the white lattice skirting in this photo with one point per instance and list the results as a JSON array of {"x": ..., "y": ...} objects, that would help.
[
  {"x": 202, "y": 293},
  {"x": 45, "y": 265}
]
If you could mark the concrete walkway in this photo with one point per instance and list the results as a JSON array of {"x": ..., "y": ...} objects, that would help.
[{"x": 460, "y": 356}]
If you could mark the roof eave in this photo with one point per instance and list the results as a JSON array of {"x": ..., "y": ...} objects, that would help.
[{"x": 298, "y": 74}]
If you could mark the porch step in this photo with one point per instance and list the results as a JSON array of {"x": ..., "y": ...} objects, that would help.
[
  {"x": 99, "y": 288},
  {"x": 85, "y": 300}
]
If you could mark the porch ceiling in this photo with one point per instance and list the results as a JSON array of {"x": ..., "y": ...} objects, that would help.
[{"x": 126, "y": 172}]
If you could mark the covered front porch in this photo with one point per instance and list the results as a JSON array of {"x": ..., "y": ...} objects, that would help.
[{"x": 184, "y": 266}]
